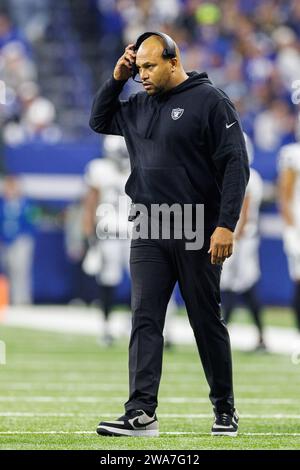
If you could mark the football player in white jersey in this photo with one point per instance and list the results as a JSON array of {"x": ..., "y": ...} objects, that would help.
[
  {"x": 241, "y": 271},
  {"x": 108, "y": 256},
  {"x": 289, "y": 203}
]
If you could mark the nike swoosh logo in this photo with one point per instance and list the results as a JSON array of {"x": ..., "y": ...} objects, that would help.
[
  {"x": 137, "y": 424},
  {"x": 229, "y": 125}
]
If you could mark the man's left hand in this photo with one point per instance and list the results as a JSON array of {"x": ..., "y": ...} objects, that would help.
[{"x": 221, "y": 245}]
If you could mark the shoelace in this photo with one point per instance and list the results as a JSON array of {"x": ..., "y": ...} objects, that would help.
[
  {"x": 131, "y": 414},
  {"x": 128, "y": 415},
  {"x": 224, "y": 418}
]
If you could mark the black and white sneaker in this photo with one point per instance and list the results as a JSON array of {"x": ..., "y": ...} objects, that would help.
[
  {"x": 225, "y": 424},
  {"x": 135, "y": 423}
]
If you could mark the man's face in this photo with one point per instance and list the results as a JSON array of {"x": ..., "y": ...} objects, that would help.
[{"x": 154, "y": 70}]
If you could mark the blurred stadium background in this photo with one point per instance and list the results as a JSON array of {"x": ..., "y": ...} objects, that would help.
[{"x": 53, "y": 56}]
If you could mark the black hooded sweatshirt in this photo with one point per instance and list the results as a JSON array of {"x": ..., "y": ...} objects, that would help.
[{"x": 185, "y": 145}]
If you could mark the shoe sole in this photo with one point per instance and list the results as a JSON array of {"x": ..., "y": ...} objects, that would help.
[
  {"x": 224, "y": 433},
  {"x": 109, "y": 431}
]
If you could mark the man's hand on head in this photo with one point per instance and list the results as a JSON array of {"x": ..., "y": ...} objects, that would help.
[
  {"x": 221, "y": 245},
  {"x": 123, "y": 68}
]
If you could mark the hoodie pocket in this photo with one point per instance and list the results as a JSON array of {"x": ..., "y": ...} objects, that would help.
[
  {"x": 131, "y": 186},
  {"x": 161, "y": 185}
]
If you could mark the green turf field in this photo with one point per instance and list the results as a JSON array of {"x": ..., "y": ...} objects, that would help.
[
  {"x": 282, "y": 317},
  {"x": 55, "y": 388}
]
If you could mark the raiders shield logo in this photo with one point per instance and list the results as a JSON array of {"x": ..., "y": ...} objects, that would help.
[{"x": 177, "y": 113}]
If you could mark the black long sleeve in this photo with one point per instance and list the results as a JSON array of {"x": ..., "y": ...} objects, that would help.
[
  {"x": 229, "y": 154},
  {"x": 107, "y": 110}
]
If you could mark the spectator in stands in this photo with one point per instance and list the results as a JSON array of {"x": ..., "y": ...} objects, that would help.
[
  {"x": 274, "y": 126},
  {"x": 32, "y": 15},
  {"x": 15, "y": 66},
  {"x": 250, "y": 49},
  {"x": 37, "y": 124},
  {"x": 9, "y": 33}
]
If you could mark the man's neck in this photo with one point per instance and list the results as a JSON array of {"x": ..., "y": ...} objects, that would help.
[{"x": 177, "y": 79}]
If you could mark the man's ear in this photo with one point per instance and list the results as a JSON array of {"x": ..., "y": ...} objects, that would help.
[{"x": 174, "y": 63}]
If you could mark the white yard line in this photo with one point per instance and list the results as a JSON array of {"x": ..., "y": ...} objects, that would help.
[
  {"x": 117, "y": 366},
  {"x": 119, "y": 387},
  {"x": 118, "y": 399},
  {"x": 245, "y": 400},
  {"x": 178, "y": 433}
]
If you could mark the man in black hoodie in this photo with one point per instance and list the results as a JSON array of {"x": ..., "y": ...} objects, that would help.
[{"x": 186, "y": 146}]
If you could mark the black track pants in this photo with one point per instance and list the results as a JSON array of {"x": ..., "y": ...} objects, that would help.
[{"x": 155, "y": 266}]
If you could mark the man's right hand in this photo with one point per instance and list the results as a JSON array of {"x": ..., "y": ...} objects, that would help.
[{"x": 123, "y": 68}]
